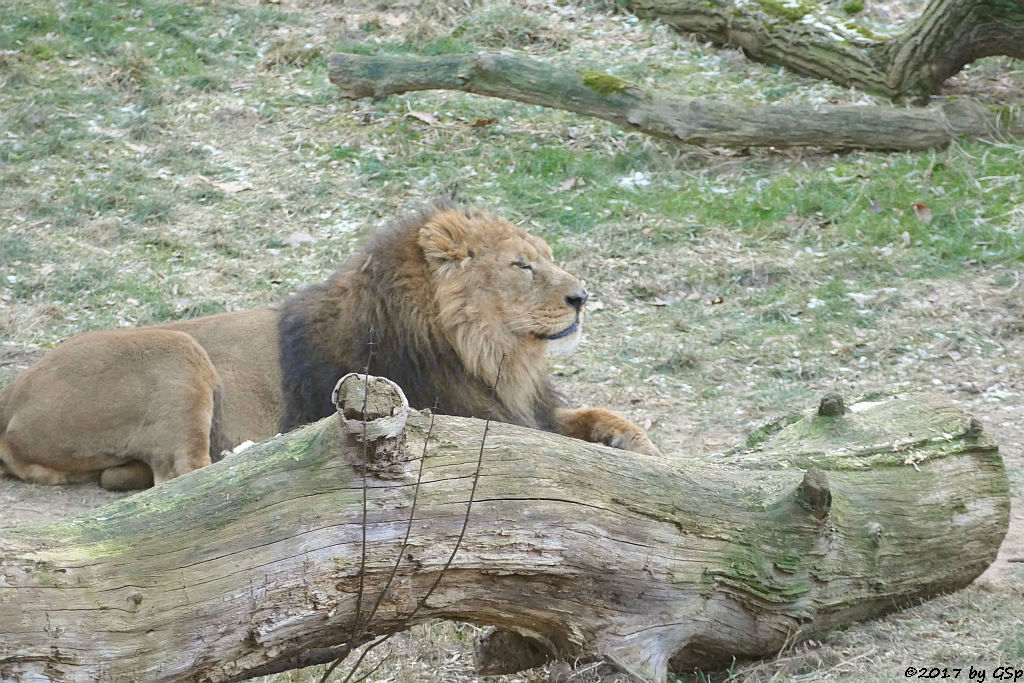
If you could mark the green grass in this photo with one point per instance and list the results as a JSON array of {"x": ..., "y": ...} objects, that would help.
[
  {"x": 156, "y": 156},
  {"x": 125, "y": 115}
]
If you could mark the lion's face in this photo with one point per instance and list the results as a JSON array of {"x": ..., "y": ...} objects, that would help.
[{"x": 500, "y": 284}]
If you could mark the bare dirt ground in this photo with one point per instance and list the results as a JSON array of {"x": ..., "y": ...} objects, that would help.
[
  {"x": 961, "y": 338},
  {"x": 974, "y": 627}
]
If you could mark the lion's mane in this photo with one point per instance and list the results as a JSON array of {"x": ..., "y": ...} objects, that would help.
[{"x": 383, "y": 310}]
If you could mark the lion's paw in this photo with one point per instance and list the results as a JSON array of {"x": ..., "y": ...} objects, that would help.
[
  {"x": 636, "y": 441},
  {"x": 599, "y": 425}
]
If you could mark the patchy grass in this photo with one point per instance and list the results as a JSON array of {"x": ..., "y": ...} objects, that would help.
[{"x": 157, "y": 158}]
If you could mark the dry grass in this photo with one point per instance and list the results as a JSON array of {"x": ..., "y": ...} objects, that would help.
[{"x": 201, "y": 162}]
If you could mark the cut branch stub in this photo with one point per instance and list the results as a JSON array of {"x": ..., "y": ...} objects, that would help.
[
  {"x": 376, "y": 403},
  {"x": 831, "y": 406},
  {"x": 374, "y": 410},
  {"x": 813, "y": 493}
]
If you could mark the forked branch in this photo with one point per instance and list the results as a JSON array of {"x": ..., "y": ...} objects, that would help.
[{"x": 809, "y": 38}]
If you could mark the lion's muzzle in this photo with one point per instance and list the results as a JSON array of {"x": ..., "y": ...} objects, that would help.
[{"x": 572, "y": 329}]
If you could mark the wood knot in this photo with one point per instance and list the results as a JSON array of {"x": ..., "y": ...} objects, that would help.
[
  {"x": 373, "y": 412},
  {"x": 814, "y": 494},
  {"x": 374, "y": 406},
  {"x": 831, "y": 405}
]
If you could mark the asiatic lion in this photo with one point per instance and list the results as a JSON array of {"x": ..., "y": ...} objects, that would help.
[
  {"x": 102, "y": 398},
  {"x": 436, "y": 303}
]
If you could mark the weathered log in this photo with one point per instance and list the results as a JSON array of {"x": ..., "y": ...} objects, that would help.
[
  {"x": 254, "y": 564},
  {"x": 680, "y": 119},
  {"x": 806, "y": 38}
]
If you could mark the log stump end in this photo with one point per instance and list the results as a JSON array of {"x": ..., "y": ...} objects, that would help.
[
  {"x": 373, "y": 411},
  {"x": 371, "y": 407}
]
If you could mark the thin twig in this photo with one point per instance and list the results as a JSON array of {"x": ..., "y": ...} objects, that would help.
[
  {"x": 845, "y": 662},
  {"x": 458, "y": 542},
  {"x": 362, "y": 656},
  {"x": 585, "y": 669},
  {"x": 362, "y": 553},
  {"x": 379, "y": 664},
  {"x": 394, "y": 569},
  {"x": 335, "y": 664},
  {"x": 472, "y": 492},
  {"x": 408, "y": 527}
]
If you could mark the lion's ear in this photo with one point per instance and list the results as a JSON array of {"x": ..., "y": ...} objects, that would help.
[{"x": 443, "y": 237}]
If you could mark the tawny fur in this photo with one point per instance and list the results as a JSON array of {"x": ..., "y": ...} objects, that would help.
[
  {"x": 437, "y": 303},
  {"x": 103, "y": 400}
]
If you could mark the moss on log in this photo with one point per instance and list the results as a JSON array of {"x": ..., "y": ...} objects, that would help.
[
  {"x": 252, "y": 565},
  {"x": 679, "y": 119},
  {"x": 808, "y": 39}
]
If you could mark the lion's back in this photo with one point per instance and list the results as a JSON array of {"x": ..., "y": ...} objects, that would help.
[{"x": 109, "y": 377}]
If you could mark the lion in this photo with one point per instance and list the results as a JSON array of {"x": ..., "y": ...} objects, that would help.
[
  {"x": 457, "y": 305},
  {"x": 103, "y": 399}
]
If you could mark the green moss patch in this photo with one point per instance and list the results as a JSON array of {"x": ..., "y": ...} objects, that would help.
[{"x": 603, "y": 83}]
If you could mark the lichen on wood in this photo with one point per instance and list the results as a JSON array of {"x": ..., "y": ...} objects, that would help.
[
  {"x": 251, "y": 566},
  {"x": 683, "y": 120},
  {"x": 603, "y": 84},
  {"x": 790, "y": 12}
]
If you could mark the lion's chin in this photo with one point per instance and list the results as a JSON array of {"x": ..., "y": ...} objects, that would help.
[{"x": 565, "y": 341}]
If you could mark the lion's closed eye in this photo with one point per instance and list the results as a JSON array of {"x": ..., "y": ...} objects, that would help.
[{"x": 523, "y": 265}]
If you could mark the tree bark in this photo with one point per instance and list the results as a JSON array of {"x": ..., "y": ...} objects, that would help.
[
  {"x": 804, "y": 37},
  {"x": 253, "y": 565},
  {"x": 680, "y": 119}
]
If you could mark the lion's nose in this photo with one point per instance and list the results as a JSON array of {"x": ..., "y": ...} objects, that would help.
[{"x": 578, "y": 299}]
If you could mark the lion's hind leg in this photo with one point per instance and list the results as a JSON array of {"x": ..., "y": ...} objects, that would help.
[
  {"x": 193, "y": 455},
  {"x": 132, "y": 475},
  {"x": 183, "y": 444},
  {"x": 170, "y": 435},
  {"x": 35, "y": 473},
  {"x": 163, "y": 461},
  {"x": 599, "y": 425}
]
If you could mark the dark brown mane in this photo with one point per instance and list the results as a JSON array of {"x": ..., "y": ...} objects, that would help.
[{"x": 379, "y": 306}]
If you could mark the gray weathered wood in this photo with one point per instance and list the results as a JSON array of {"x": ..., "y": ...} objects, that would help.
[
  {"x": 808, "y": 38},
  {"x": 680, "y": 119},
  {"x": 252, "y": 565}
]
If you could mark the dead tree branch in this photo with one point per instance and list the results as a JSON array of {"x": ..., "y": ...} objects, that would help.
[
  {"x": 252, "y": 565},
  {"x": 809, "y": 39},
  {"x": 680, "y": 119}
]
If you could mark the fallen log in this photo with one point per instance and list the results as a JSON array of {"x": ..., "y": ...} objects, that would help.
[
  {"x": 810, "y": 39},
  {"x": 275, "y": 557},
  {"x": 685, "y": 120}
]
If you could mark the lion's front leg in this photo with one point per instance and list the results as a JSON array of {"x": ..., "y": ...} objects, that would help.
[{"x": 603, "y": 426}]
